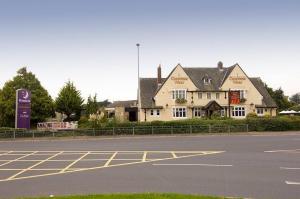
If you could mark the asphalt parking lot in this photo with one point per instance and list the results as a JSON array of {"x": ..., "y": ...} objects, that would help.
[{"x": 247, "y": 165}]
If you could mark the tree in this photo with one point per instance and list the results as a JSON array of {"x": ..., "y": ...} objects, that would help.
[
  {"x": 69, "y": 102},
  {"x": 295, "y": 98},
  {"x": 278, "y": 96},
  {"x": 41, "y": 101},
  {"x": 92, "y": 105}
]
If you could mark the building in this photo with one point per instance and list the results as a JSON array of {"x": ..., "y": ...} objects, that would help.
[
  {"x": 123, "y": 110},
  {"x": 198, "y": 92}
]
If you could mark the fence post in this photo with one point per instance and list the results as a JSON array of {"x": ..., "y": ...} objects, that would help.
[
  {"x": 132, "y": 130},
  {"x": 209, "y": 128},
  {"x": 52, "y": 133},
  {"x": 113, "y": 130},
  {"x": 14, "y": 134},
  {"x": 152, "y": 130},
  {"x": 32, "y": 134},
  {"x": 191, "y": 129},
  {"x": 172, "y": 130},
  {"x": 247, "y": 128},
  {"x": 94, "y": 132},
  {"x": 228, "y": 128}
]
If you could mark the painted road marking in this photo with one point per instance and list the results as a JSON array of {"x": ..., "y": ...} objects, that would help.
[
  {"x": 24, "y": 170},
  {"x": 69, "y": 169},
  {"x": 287, "y": 150},
  {"x": 289, "y": 168},
  {"x": 206, "y": 165},
  {"x": 70, "y": 165},
  {"x": 292, "y": 183},
  {"x": 24, "y": 156},
  {"x": 110, "y": 159}
]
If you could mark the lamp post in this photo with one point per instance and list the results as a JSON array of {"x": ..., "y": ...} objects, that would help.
[{"x": 138, "y": 76}]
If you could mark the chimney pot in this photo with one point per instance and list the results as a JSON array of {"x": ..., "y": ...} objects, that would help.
[
  {"x": 159, "y": 76},
  {"x": 220, "y": 65}
]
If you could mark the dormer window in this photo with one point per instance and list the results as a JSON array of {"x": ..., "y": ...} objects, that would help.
[{"x": 207, "y": 80}]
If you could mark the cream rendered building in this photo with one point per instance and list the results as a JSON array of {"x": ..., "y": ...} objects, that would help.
[{"x": 197, "y": 92}]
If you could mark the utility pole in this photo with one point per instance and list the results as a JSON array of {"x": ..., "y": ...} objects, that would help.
[{"x": 138, "y": 77}]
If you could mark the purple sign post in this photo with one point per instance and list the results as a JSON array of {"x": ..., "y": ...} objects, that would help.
[{"x": 23, "y": 102}]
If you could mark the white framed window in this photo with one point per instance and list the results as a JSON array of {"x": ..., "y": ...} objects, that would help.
[
  {"x": 179, "y": 94},
  {"x": 208, "y": 95},
  {"x": 222, "y": 113},
  {"x": 180, "y": 112},
  {"x": 197, "y": 112},
  {"x": 243, "y": 93},
  {"x": 217, "y": 95},
  {"x": 259, "y": 111},
  {"x": 199, "y": 95},
  {"x": 155, "y": 112},
  {"x": 238, "y": 111}
]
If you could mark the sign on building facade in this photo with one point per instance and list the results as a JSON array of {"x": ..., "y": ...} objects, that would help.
[{"x": 23, "y": 108}]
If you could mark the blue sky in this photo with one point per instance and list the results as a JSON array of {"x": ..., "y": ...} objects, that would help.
[{"x": 92, "y": 42}]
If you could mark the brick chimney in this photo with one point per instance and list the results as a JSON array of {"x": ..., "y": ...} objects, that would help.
[
  {"x": 220, "y": 65},
  {"x": 159, "y": 82}
]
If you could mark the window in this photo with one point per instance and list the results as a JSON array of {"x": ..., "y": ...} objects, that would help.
[
  {"x": 205, "y": 80},
  {"x": 179, "y": 112},
  {"x": 154, "y": 112},
  {"x": 157, "y": 112},
  {"x": 238, "y": 111},
  {"x": 197, "y": 112},
  {"x": 208, "y": 95},
  {"x": 222, "y": 113},
  {"x": 217, "y": 95},
  {"x": 260, "y": 111},
  {"x": 199, "y": 95},
  {"x": 179, "y": 94},
  {"x": 242, "y": 93}
]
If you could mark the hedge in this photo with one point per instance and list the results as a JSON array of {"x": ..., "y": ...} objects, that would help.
[{"x": 282, "y": 123}]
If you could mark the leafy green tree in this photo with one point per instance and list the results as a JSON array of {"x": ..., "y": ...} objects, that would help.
[
  {"x": 69, "y": 102},
  {"x": 92, "y": 105},
  {"x": 281, "y": 100},
  {"x": 295, "y": 98},
  {"x": 41, "y": 101}
]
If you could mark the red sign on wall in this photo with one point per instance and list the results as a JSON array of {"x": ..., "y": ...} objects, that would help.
[{"x": 234, "y": 97}]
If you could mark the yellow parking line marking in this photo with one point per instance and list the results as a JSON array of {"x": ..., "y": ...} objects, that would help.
[
  {"x": 173, "y": 154},
  {"x": 70, "y": 165},
  {"x": 206, "y": 165},
  {"x": 288, "y": 150},
  {"x": 24, "y": 170},
  {"x": 110, "y": 159},
  {"x": 289, "y": 168},
  {"x": 107, "y": 164},
  {"x": 6, "y": 153},
  {"x": 18, "y": 158},
  {"x": 292, "y": 183},
  {"x": 144, "y": 156}
]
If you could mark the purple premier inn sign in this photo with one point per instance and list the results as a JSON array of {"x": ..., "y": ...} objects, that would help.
[{"x": 23, "y": 102}]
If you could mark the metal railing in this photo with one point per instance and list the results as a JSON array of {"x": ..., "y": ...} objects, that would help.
[{"x": 119, "y": 131}]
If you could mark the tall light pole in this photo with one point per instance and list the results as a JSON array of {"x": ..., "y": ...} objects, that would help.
[{"x": 138, "y": 75}]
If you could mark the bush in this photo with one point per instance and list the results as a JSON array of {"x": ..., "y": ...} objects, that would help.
[
  {"x": 251, "y": 115},
  {"x": 282, "y": 123}
]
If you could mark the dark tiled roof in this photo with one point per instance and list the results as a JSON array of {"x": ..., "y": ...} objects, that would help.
[
  {"x": 215, "y": 74},
  {"x": 128, "y": 103},
  {"x": 260, "y": 86},
  {"x": 148, "y": 88}
]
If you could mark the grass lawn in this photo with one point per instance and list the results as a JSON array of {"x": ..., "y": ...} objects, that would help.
[{"x": 135, "y": 196}]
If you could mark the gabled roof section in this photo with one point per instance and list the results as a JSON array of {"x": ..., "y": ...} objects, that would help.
[
  {"x": 215, "y": 74},
  {"x": 260, "y": 86},
  {"x": 178, "y": 65},
  {"x": 148, "y": 88}
]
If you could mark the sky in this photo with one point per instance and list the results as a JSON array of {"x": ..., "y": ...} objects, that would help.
[{"x": 93, "y": 42}]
